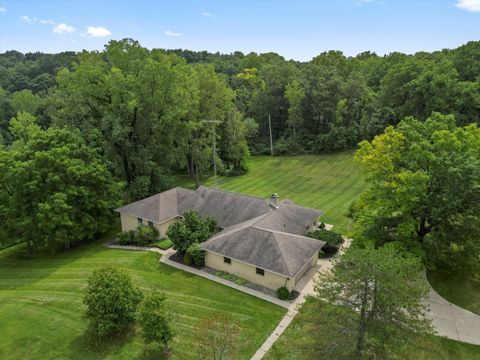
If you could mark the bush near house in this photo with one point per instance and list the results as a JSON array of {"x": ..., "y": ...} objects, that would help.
[
  {"x": 197, "y": 254},
  {"x": 333, "y": 240},
  {"x": 283, "y": 293},
  {"x": 142, "y": 236},
  {"x": 187, "y": 234}
]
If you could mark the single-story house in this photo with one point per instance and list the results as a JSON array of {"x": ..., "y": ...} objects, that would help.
[{"x": 260, "y": 240}]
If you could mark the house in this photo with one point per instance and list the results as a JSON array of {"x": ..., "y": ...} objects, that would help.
[{"x": 260, "y": 240}]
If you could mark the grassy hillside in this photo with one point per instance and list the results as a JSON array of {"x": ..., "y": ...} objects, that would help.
[
  {"x": 41, "y": 305},
  {"x": 327, "y": 182}
]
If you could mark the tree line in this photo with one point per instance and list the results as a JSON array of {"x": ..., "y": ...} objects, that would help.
[{"x": 129, "y": 117}]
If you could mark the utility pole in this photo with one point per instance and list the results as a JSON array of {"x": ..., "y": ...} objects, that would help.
[
  {"x": 270, "y": 128},
  {"x": 214, "y": 122}
]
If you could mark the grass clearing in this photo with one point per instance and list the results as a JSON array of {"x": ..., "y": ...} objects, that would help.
[
  {"x": 457, "y": 288},
  {"x": 328, "y": 182},
  {"x": 41, "y": 305},
  {"x": 163, "y": 244},
  {"x": 435, "y": 348}
]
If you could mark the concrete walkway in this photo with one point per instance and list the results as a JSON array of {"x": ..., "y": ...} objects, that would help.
[
  {"x": 452, "y": 321},
  {"x": 134, "y": 248}
]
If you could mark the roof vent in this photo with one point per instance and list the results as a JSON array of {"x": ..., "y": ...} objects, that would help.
[{"x": 274, "y": 200}]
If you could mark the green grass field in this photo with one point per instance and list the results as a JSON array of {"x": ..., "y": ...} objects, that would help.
[
  {"x": 41, "y": 305},
  {"x": 434, "y": 348},
  {"x": 327, "y": 182}
]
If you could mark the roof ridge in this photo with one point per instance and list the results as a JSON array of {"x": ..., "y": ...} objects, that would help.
[
  {"x": 281, "y": 232},
  {"x": 232, "y": 192},
  {"x": 282, "y": 256}
]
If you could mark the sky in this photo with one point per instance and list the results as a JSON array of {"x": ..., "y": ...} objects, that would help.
[{"x": 296, "y": 29}]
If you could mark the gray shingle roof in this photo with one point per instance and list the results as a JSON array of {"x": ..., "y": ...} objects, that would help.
[
  {"x": 253, "y": 231},
  {"x": 276, "y": 251},
  {"x": 227, "y": 208}
]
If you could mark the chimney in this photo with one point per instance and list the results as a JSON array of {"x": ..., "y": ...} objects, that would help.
[{"x": 274, "y": 200}]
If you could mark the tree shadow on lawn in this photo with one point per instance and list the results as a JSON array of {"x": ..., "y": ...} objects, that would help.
[
  {"x": 153, "y": 352},
  {"x": 16, "y": 264},
  {"x": 87, "y": 347}
]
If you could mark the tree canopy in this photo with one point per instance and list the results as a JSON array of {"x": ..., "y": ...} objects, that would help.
[{"x": 424, "y": 190}]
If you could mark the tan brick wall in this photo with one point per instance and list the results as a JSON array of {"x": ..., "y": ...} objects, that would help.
[{"x": 270, "y": 280}]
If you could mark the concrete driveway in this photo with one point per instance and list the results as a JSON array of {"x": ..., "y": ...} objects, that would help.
[{"x": 452, "y": 321}]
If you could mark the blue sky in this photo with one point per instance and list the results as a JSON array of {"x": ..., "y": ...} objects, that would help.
[{"x": 296, "y": 29}]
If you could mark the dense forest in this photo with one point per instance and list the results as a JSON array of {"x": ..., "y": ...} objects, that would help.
[{"x": 148, "y": 113}]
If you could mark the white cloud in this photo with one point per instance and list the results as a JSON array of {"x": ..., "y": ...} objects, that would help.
[
  {"x": 99, "y": 31},
  {"x": 63, "y": 28},
  {"x": 47, "y": 22},
  {"x": 171, "y": 33},
  {"x": 27, "y": 19},
  {"x": 2, "y": 9},
  {"x": 469, "y": 5},
  {"x": 207, "y": 14}
]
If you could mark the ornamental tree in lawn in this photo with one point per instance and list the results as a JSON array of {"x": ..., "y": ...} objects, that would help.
[
  {"x": 111, "y": 300},
  {"x": 218, "y": 337},
  {"x": 56, "y": 191},
  {"x": 156, "y": 321}
]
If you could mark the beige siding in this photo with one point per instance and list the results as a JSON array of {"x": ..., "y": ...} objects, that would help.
[
  {"x": 162, "y": 228},
  {"x": 270, "y": 280},
  {"x": 128, "y": 222},
  {"x": 131, "y": 223}
]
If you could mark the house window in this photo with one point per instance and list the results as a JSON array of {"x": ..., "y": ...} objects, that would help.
[
  {"x": 150, "y": 223},
  {"x": 227, "y": 260},
  {"x": 260, "y": 271},
  {"x": 140, "y": 221}
]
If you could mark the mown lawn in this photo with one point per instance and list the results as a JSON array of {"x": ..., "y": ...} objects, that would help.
[
  {"x": 328, "y": 182},
  {"x": 434, "y": 348},
  {"x": 41, "y": 305},
  {"x": 457, "y": 288}
]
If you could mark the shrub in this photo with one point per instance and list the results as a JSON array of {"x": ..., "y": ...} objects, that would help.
[
  {"x": 142, "y": 236},
  {"x": 197, "y": 254},
  {"x": 111, "y": 300},
  {"x": 321, "y": 254},
  {"x": 283, "y": 293},
  {"x": 146, "y": 234},
  {"x": 156, "y": 321},
  {"x": 333, "y": 240},
  {"x": 191, "y": 229},
  {"x": 126, "y": 237},
  {"x": 187, "y": 259}
]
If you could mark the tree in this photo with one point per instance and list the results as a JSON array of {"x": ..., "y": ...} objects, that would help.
[
  {"x": 26, "y": 101},
  {"x": 192, "y": 228},
  {"x": 294, "y": 94},
  {"x": 156, "y": 321},
  {"x": 424, "y": 190},
  {"x": 372, "y": 302},
  {"x": 218, "y": 337},
  {"x": 111, "y": 300},
  {"x": 56, "y": 190}
]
